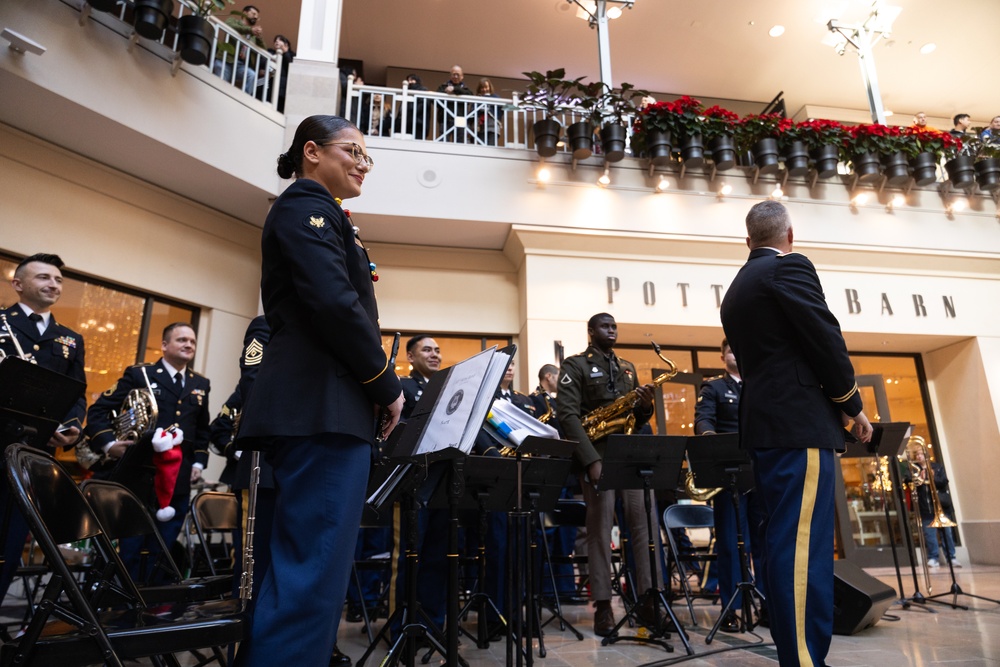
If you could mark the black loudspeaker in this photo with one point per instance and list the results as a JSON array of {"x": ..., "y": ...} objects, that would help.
[{"x": 859, "y": 599}]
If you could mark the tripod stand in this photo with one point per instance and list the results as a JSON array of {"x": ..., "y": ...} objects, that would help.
[{"x": 644, "y": 462}]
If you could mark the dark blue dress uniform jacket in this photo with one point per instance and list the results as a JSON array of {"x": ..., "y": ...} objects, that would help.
[
  {"x": 795, "y": 368},
  {"x": 718, "y": 407},
  {"x": 188, "y": 408},
  {"x": 59, "y": 349},
  {"x": 325, "y": 370}
]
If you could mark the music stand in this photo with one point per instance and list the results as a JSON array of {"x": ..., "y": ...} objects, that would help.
[
  {"x": 717, "y": 461},
  {"x": 645, "y": 462},
  {"x": 33, "y": 401},
  {"x": 889, "y": 439}
]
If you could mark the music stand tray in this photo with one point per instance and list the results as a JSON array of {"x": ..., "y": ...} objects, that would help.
[
  {"x": 715, "y": 457},
  {"x": 34, "y": 401}
]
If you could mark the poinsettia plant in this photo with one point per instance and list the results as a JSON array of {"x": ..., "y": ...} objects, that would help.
[
  {"x": 819, "y": 132},
  {"x": 943, "y": 145},
  {"x": 877, "y": 139},
  {"x": 754, "y": 127},
  {"x": 718, "y": 122},
  {"x": 680, "y": 117}
]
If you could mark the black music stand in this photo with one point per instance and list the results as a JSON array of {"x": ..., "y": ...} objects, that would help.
[
  {"x": 645, "y": 462},
  {"x": 488, "y": 485},
  {"x": 411, "y": 482},
  {"x": 717, "y": 461},
  {"x": 540, "y": 480},
  {"x": 890, "y": 439},
  {"x": 33, "y": 401}
]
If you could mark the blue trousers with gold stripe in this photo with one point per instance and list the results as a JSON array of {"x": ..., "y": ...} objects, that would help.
[{"x": 797, "y": 488}]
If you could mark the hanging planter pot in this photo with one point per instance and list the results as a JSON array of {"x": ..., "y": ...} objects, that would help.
[
  {"x": 825, "y": 160},
  {"x": 150, "y": 18},
  {"x": 692, "y": 150},
  {"x": 924, "y": 168},
  {"x": 961, "y": 171},
  {"x": 988, "y": 174},
  {"x": 723, "y": 152},
  {"x": 194, "y": 39},
  {"x": 765, "y": 155},
  {"x": 796, "y": 159},
  {"x": 613, "y": 142},
  {"x": 658, "y": 148},
  {"x": 546, "y": 136},
  {"x": 581, "y": 139},
  {"x": 866, "y": 166},
  {"x": 896, "y": 168}
]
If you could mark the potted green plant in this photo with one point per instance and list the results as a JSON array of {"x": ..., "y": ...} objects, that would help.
[
  {"x": 549, "y": 93},
  {"x": 195, "y": 32},
  {"x": 581, "y": 133},
  {"x": 758, "y": 134},
  {"x": 150, "y": 17},
  {"x": 824, "y": 140},
  {"x": 986, "y": 156},
  {"x": 615, "y": 108},
  {"x": 718, "y": 127}
]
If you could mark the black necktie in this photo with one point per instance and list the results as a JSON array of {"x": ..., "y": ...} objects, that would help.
[
  {"x": 37, "y": 319},
  {"x": 505, "y": 395},
  {"x": 613, "y": 372},
  {"x": 179, "y": 380}
]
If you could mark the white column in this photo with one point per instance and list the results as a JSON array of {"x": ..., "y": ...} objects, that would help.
[{"x": 319, "y": 30}]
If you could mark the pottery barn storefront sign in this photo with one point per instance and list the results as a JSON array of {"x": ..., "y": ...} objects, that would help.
[{"x": 922, "y": 307}]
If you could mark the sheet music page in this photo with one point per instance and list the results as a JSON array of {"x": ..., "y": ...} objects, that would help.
[
  {"x": 521, "y": 423},
  {"x": 491, "y": 380},
  {"x": 447, "y": 424}
]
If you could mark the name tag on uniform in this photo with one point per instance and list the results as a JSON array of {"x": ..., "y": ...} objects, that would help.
[
  {"x": 596, "y": 373},
  {"x": 731, "y": 396}
]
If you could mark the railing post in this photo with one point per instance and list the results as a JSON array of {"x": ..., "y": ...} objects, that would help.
[
  {"x": 349, "y": 98},
  {"x": 404, "y": 112}
]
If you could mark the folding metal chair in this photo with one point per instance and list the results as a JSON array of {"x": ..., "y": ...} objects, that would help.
[
  {"x": 106, "y": 620},
  {"x": 215, "y": 513},
  {"x": 122, "y": 516},
  {"x": 687, "y": 516}
]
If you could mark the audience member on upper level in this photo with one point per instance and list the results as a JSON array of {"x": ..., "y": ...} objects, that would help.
[
  {"x": 992, "y": 133},
  {"x": 488, "y": 126},
  {"x": 247, "y": 25},
  {"x": 283, "y": 47},
  {"x": 415, "y": 116},
  {"x": 920, "y": 123},
  {"x": 962, "y": 122},
  {"x": 453, "y": 115}
]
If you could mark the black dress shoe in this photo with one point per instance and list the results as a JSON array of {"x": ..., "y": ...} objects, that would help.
[
  {"x": 354, "y": 614},
  {"x": 604, "y": 621},
  {"x": 730, "y": 623},
  {"x": 339, "y": 659}
]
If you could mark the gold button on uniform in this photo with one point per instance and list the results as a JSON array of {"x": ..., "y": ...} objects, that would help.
[
  {"x": 178, "y": 413},
  {"x": 36, "y": 348}
]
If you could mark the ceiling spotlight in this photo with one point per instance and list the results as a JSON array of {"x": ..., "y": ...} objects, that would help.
[
  {"x": 897, "y": 201},
  {"x": 725, "y": 189},
  {"x": 859, "y": 199},
  {"x": 614, "y": 12},
  {"x": 776, "y": 31},
  {"x": 928, "y": 48},
  {"x": 887, "y": 112},
  {"x": 605, "y": 179},
  {"x": 543, "y": 174},
  {"x": 662, "y": 185},
  {"x": 777, "y": 192},
  {"x": 958, "y": 205}
]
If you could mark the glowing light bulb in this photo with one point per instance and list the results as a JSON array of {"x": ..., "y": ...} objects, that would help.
[
  {"x": 725, "y": 189},
  {"x": 543, "y": 174},
  {"x": 605, "y": 179},
  {"x": 663, "y": 185}
]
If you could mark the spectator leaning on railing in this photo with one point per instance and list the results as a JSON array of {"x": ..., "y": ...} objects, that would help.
[
  {"x": 992, "y": 133},
  {"x": 245, "y": 24},
  {"x": 962, "y": 122}
]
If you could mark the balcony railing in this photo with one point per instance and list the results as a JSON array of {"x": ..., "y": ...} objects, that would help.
[
  {"x": 422, "y": 115},
  {"x": 237, "y": 62}
]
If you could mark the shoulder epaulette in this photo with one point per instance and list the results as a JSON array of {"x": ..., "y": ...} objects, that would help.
[{"x": 789, "y": 253}]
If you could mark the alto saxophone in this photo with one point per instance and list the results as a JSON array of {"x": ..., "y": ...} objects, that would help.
[{"x": 617, "y": 417}]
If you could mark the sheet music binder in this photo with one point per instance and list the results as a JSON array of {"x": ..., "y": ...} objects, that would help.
[
  {"x": 409, "y": 441},
  {"x": 33, "y": 397}
]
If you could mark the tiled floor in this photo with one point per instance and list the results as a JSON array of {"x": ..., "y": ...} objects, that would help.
[{"x": 951, "y": 637}]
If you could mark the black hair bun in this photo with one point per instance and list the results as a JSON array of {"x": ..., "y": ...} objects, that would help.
[{"x": 286, "y": 167}]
